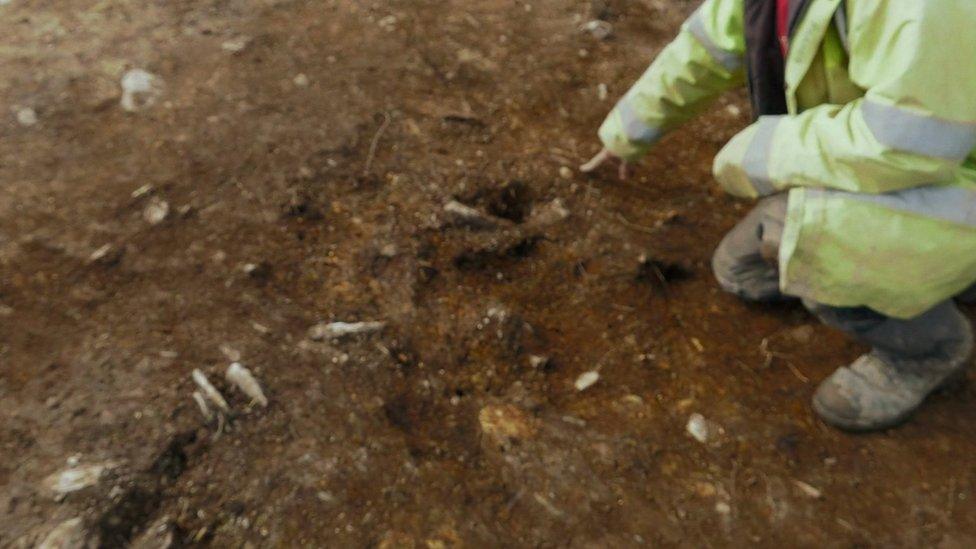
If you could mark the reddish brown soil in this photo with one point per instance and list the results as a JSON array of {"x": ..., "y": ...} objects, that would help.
[{"x": 440, "y": 431}]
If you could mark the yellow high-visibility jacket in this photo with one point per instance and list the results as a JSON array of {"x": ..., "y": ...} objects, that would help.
[{"x": 877, "y": 150}]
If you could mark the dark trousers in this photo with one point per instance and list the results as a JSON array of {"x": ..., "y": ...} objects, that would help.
[{"x": 745, "y": 264}]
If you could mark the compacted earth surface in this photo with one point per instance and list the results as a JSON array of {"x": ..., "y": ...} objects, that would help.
[{"x": 546, "y": 339}]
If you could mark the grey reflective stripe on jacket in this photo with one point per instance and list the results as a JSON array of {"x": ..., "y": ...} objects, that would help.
[
  {"x": 729, "y": 60},
  {"x": 756, "y": 161},
  {"x": 636, "y": 129},
  {"x": 907, "y": 131},
  {"x": 950, "y": 204}
]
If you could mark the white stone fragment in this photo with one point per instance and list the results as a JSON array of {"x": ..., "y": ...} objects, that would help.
[
  {"x": 335, "y": 330},
  {"x": 26, "y": 116},
  {"x": 587, "y": 380},
  {"x": 209, "y": 391},
  {"x": 242, "y": 378},
  {"x": 142, "y": 191},
  {"x": 236, "y": 44},
  {"x": 156, "y": 212},
  {"x": 602, "y": 92},
  {"x": 202, "y": 404},
  {"x": 808, "y": 490},
  {"x": 70, "y": 534},
  {"x": 601, "y": 30},
  {"x": 698, "y": 428},
  {"x": 76, "y": 478},
  {"x": 301, "y": 80},
  {"x": 140, "y": 90},
  {"x": 463, "y": 214}
]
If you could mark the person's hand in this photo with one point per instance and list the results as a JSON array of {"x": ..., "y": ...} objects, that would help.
[{"x": 601, "y": 158}]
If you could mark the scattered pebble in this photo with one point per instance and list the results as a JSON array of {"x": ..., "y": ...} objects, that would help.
[
  {"x": 26, "y": 116},
  {"x": 335, "y": 330},
  {"x": 734, "y": 111},
  {"x": 601, "y": 92},
  {"x": 462, "y": 214},
  {"x": 202, "y": 405},
  {"x": 105, "y": 254},
  {"x": 231, "y": 353},
  {"x": 301, "y": 81},
  {"x": 565, "y": 172},
  {"x": 142, "y": 191},
  {"x": 601, "y": 30},
  {"x": 70, "y": 534},
  {"x": 156, "y": 211},
  {"x": 587, "y": 380},
  {"x": 140, "y": 90},
  {"x": 209, "y": 391},
  {"x": 242, "y": 378},
  {"x": 698, "y": 428},
  {"x": 723, "y": 508},
  {"x": 538, "y": 361},
  {"x": 236, "y": 44},
  {"x": 808, "y": 490},
  {"x": 76, "y": 478}
]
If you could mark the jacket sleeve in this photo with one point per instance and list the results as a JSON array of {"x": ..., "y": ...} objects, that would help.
[
  {"x": 704, "y": 60},
  {"x": 915, "y": 126}
]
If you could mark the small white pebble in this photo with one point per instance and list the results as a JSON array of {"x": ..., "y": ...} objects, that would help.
[
  {"x": 27, "y": 116},
  {"x": 587, "y": 380},
  {"x": 301, "y": 81},
  {"x": 698, "y": 428},
  {"x": 565, "y": 172}
]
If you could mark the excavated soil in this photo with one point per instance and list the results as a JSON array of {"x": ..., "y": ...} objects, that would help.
[{"x": 305, "y": 151}]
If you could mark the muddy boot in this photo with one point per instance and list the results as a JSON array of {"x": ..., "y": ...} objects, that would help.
[
  {"x": 910, "y": 359},
  {"x": 745, "y": 263}
]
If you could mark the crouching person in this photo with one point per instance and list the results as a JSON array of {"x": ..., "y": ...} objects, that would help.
[{"x": 863, "y": 153}]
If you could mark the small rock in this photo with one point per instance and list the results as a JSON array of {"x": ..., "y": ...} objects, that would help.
[
  {"x": 698, "y": 428},
  {"x": 231, "y": 353},
  {"x": 156, "y": 212},
  {"x": 723, "y": 508},
  {"x": 301, "y": 81},
  {"x": 602, "y": 92},
  {"x": 140, "y": 90},
  {"x": 808, "y": 490},
  {"x": 106, "y": 255},
  {"x": 335, "y": 330},
  {"x": 142, "y": 191},
  {"x": 236, "y": 44},
  {"x": 76, "y": 478},
  {"x": 70, "y": 534},
  {"x": 462, "y": 214},
  {"x": 565, "y": 172},
  {"x": 538, "y": 361},
  {"x": 209, "y": 391},
  {"x": 26, "y": 116},
  {"x": 242, "y": 378},
  {"x": 202, "y": 405},
  {"x": 587, "y": 380},
  {"x": 601, "y": 30}
]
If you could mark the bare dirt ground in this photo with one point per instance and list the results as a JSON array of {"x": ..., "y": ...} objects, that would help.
[{"x": 306, "y": 151}]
